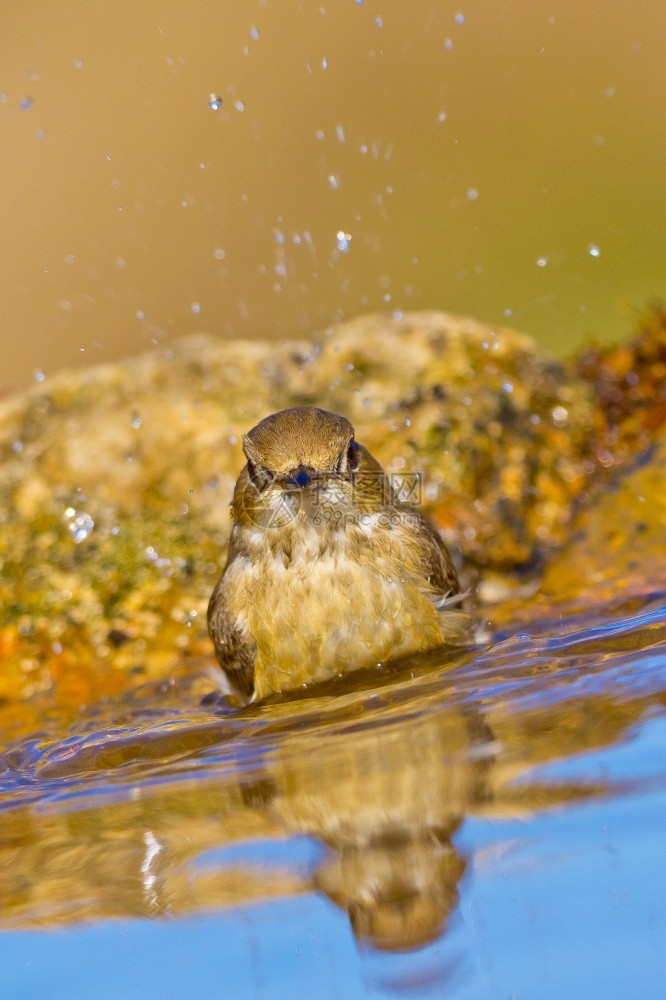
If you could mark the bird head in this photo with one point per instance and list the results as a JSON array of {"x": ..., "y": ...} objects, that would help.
[{"x": 304, "y": 463}]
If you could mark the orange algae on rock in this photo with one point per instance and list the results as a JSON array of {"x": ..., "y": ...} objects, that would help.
[
  {"x": 629, "y": 382},
  {"x": 617, "y": 552}
]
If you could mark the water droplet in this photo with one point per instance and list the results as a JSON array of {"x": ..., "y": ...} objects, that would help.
[
  {"x": 320, "y": 134},
  {"x": 39, "y": 376},
  {"x": 507, "y": 386},
  {"x": 239, "y": 106},
  {"x": 17, "y": 446},
  {"x": 80, "y": 525},
  {"x": 254, "y": 32},
  {"x": 324, "y": 63},
  {"x": 136, "y": 420},
  {"x": 343, "y": 240},
  {"x": 78, "y": 64},
  {"x": 459, "y": 17},
  {"x": 334, "y": 181},
  {"x": 559, "y": 414},
  {"x": 593, "y": 250},
  {"x": 441, "y": 117},
  {"x": 279, "y": 237},
  {"x": 379, "y": 21},
  {"x": 448, "y": 43},
  {"x": 195, "y": 307},
  {"x": 542, "y": 261},
  {"x": 218, "y": 253},
  {"x": 472, "y": 194},
  {"x": 120, "y": 262},
  {"x": 340, "y": 132},
  {"x": 214, "y": 102},
  {"x": 610, "y": 92},
  {"x": 26, "y": 104},
  {"x": 140, "y": 314}
]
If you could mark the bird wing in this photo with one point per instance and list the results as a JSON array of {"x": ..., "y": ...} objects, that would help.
[
  {"x": 443, "y": 585},
  {"x": 234, "y": 649},
  {"x": 439, "y": 570}
]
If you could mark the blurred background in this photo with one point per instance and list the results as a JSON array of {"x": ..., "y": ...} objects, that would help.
[{"x": 264, "y": 168}]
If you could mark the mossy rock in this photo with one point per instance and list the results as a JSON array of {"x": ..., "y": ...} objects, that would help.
[{"x": 115, "y": 480}]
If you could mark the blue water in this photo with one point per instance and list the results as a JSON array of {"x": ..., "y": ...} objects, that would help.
[{"x": 199, "y": 872}]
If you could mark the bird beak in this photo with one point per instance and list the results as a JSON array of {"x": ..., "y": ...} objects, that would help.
[{"x": 302, "y": 476}]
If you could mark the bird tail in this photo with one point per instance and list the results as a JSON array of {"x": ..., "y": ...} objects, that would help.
[{"x": 462, "y": 629}]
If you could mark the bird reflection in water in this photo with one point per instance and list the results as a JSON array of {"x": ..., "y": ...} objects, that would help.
[{"x": 168, "y": 813}]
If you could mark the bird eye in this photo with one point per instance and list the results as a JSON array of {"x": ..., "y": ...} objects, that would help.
[
  {"x": 353, "y": 456},
  {"x": 260, "y": 476}
]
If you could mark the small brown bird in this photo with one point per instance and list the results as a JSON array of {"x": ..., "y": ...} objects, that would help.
[{"x": 327, "y": 571}]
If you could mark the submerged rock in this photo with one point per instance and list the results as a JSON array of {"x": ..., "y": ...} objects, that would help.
[{"x": 115, "y": 480}]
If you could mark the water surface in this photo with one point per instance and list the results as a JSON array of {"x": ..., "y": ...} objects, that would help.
[{"x": 490, "y": 826}]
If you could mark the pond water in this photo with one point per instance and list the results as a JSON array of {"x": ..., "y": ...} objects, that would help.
[{"x": 490, "y": 826}]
